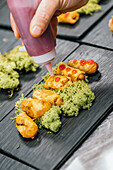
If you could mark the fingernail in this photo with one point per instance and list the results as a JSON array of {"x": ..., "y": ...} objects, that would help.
[{"x": 36, "y": 30}]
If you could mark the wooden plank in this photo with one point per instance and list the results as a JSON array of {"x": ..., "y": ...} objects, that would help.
[
  {"x": 101, "y": 34},
  {"x": 7, "y": 163},
  {"x": 85, "y": 23},
  {"x": 6, "y": 39},
  {"x": 27, "y": 80},
  {"x": 51, "y": 150},
  {"x": 2, "y": 3}
]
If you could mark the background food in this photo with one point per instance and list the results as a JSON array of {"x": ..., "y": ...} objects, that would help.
[
  {"x": 68, "y": 17},
  {"x": 111, "y": 24},
  {"x": 90, "y": 7}
]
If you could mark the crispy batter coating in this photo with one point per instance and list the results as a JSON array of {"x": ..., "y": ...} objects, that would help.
[
  {"x": 68, "y": 17},
  {"x": 48, "y": 95},
  {"x": 57, "y": 82},
  {"x": 111, "y": 24},
  {"x": 35, "y": 108},
  {"x": 26, "y": 126},
  {"x": 89, "y": 67},
  {"x": 75, "y": 74}
]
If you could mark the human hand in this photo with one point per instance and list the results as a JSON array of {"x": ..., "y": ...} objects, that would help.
[{"x": 46, "y": 13}]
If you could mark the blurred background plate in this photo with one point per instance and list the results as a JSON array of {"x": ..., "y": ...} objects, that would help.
[
  {"x": 101, "y": 34},
  {"x": 85, "y": 22}
]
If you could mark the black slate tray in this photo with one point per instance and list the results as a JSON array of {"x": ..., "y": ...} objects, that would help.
[
  {"x": 51, "y": 150},
  {"x": 85, "y": 23},
  {"x": 7, "y": 163},
  {"x": 101, "y": 34},
  {"x": 27, "y": 80}
]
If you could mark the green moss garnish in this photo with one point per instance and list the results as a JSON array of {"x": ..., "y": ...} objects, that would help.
[
  {"x": 12, "y": 62},
  {"x": 21, "y": 59},
  {"x": 51, "y": 119},
  {"x": 90, "y": 7},
  {"x": 75, "y": 97},
  {"x": 18, "y": 104}
]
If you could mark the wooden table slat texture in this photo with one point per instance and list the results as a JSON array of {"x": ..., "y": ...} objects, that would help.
[
  {"x": 101, "y": 34},
  {"x": 52, "y": 149},
  {"x": 4, "y": 15},
  {"x": 27, "y": 80},
  {"x": 2, "y": 2},
  {"x": 84, "y": 24},
  {"x": 7, "y": 163},
  {"x": 6, "y": 39}
]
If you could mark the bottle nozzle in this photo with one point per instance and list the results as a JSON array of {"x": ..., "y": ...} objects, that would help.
[
  {"x": 44, "y": 59},
  {"x": 49, "y": 68}
]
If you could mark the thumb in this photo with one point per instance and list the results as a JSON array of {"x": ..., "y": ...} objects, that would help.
[{"x": 42, "y": 17}]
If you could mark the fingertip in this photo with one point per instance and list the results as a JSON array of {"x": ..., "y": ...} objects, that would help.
[
  {"x": 17, "y": 35},
  {"x": 35, "y": 30},
  {"x": 42, "y": 17}
]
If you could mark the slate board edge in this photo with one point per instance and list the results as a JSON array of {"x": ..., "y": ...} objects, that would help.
[
  {"x": 15, "y": 158},
  {"x": 15, "y": 161}
]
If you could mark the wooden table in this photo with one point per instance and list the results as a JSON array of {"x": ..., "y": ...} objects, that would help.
[{"x": 84, "y": 142}]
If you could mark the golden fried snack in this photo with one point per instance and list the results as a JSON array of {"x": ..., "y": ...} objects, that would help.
[
  {"x": 68, "y": 17},
  {"x": 111, "y": 24},
  {"x": 35, "y": 108},
  {"x": 75, "y": 74},
  {"x": 57, "y": 82},
  {"x": 48, "y": 95},
  {"x": 89, "y": 67},
  {"x": 26, "y": 126}
]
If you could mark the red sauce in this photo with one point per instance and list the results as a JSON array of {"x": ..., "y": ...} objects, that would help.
[
  {"x": 62, "y": 67},
  {"x": 90, "y": 62},
  {"x": 83, "y": 62},
  {"x": 74, "y": 61},
  {"x": 66, "y": 14},
  {"x": 74, "y": 71},
  {"x": 68, "y": 69},
  {"x": 57, "y": 79}
]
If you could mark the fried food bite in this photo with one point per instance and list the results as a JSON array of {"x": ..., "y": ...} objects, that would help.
[
  {"x": 35, "y": 108},
  {"x": 111, "y": 24},
  {"x": 47, "y": 95},
  {"x": 89, "y": 67},
  {"x": 75, "y": 74},
  {"x": 26, "y": 126},
  {"x": 57, "y": 82},
  {"x": 68, "y": 17}
]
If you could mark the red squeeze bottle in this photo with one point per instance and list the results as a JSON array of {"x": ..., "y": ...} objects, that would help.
[{"x": 42, "y": 48}]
